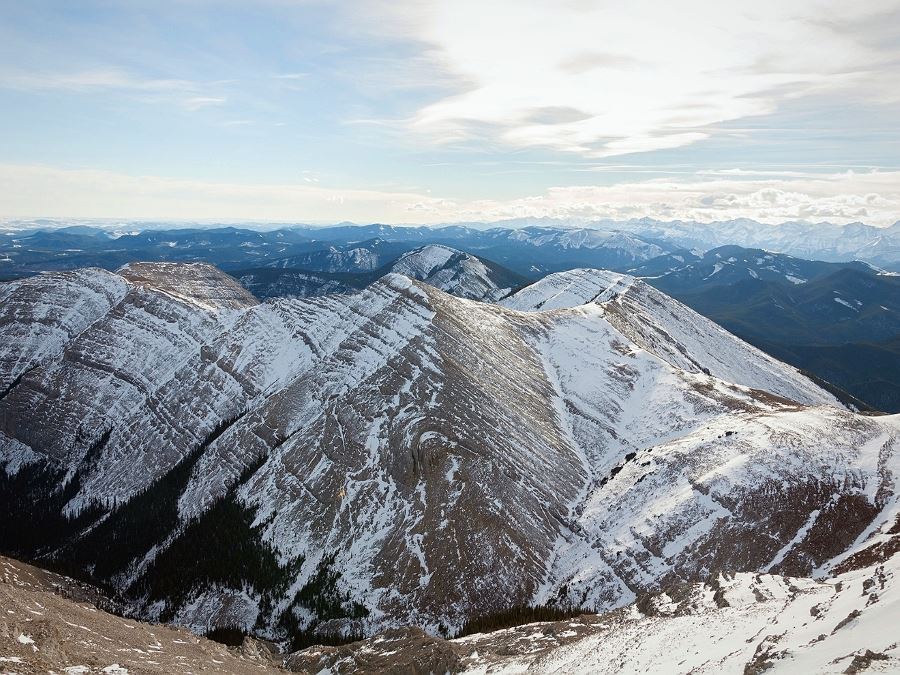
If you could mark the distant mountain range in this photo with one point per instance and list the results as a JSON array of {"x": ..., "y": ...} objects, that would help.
[
  {"x": 563, "y": 244},
  {"x": 841, "y": 328}
]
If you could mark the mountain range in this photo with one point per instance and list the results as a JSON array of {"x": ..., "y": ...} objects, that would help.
[
  {"x": 789, "y": 306},
  {"x": 454, "y": 271},
  {"x": 529, "y": 246},
  {"x": 343, "y": 464}
]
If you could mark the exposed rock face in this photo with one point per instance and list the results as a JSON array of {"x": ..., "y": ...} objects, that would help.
[
  {"x": 402, "y": 456},
  {"x": 193, "y": 283}
]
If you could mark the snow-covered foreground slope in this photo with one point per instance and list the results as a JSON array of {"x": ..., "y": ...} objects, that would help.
[
  {"x": 745, "y": 623},
  {"x": 402, "y": 456},
  {"x": 734, "y": 623}
]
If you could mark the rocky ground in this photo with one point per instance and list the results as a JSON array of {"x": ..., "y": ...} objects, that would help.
[
  {"x": 50, "y": 623},
  {"x": 740, "y": 623},
  {"x": 743, "y": 623}
]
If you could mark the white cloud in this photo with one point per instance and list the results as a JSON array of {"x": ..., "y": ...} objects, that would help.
[
  {"x": 190, "y": 95},
  {"x": 197, "y": 102},
  {"x": 872, "y": 197},
  {"x": 105, "y": 194},
  {"x": 89, "y": 80},
  {"x": 642, "y": 75}
]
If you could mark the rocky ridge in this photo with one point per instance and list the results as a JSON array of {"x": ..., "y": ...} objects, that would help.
[{"x": 402, "y": 456}]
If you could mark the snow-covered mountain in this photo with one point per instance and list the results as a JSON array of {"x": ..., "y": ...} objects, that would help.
[
  {"x": 404, "y": 456},
  {"x": 815, "y": 241},
  {"x": 458, "y": 273},
  {"x": 449, "y": 269},
  {"x": 655, "y": 322},
  {"x": 687, "y": 271}
]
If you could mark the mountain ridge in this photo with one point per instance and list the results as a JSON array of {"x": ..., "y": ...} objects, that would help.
[{"x": 385, "y": 453}]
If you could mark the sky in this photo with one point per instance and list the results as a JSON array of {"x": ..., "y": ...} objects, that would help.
[{"x": 423, "y": 111}]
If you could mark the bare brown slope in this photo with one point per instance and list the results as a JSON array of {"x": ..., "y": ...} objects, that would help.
[{"x": 50, "y": 623}]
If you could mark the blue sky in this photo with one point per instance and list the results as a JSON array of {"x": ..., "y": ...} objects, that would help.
[{"x": 426, "y": 111}]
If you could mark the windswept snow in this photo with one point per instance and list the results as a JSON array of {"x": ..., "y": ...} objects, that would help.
[{"x": 669, "y": 329}]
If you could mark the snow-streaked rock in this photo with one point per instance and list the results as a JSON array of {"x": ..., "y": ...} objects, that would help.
[
  {"x": 458, "y": 273},
  {"x": 734, "y": 623},
  {"x": 669, "y": 329},
  {"x": 40, "y": 315},
  {"x": 445, "y": 457},
  {"x": 125, "y": 353}
]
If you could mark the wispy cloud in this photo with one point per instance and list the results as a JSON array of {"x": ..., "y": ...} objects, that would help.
[
  {"x": 90, "y": 80},
  {"x": 198, "y": 102},
  {"x": 666, "y": 74},
  {"x": 846, "y": 196},
  {"x": 186, "y": 94}
]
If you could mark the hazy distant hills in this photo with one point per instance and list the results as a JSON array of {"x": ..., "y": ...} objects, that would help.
[{"x": 573, "y": 243}]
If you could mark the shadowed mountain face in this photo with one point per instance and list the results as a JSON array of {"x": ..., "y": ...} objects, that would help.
[{"x": 403, "y": 456}]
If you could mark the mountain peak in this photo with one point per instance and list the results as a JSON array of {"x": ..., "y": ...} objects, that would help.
[
  {"x": 456, "y": 272},
  {"x": 669, "y": 329}
]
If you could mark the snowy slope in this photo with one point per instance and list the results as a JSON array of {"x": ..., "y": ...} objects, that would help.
[
  {"x": 458, "y": 273},
  {"x": 437, "y": 458},
  {"x": 745, "y": 623},
  {"x": 669, "y": 329},
  {"x": 121, "y": 357},
  {"x": 41, "y": 314},
  {"x": 734, "y": 623}
]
